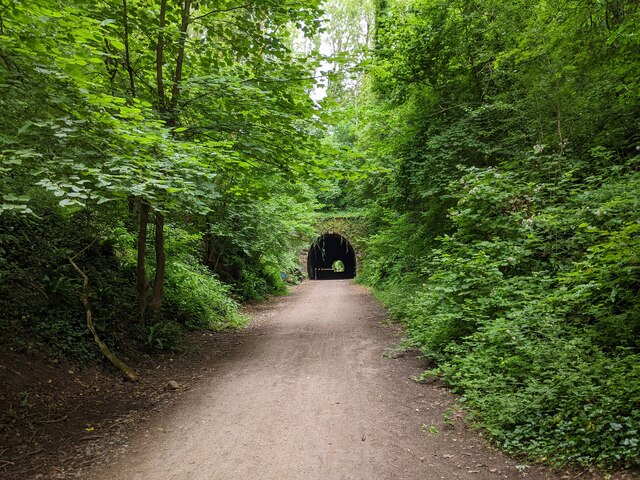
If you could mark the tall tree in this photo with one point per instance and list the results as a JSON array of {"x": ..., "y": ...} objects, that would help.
[{"x": 214, "y": 94}]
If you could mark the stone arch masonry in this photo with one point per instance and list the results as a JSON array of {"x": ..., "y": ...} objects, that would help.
[{"x": 338, "y": 238}]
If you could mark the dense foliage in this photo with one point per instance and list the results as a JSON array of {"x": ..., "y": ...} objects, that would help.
[
  {"x": 488, "y": 149},
  {"x": 165, "y": 147},
  {"x": 503, "y": 211}
]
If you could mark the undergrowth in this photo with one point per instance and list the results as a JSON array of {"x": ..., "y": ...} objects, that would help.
[
  {"x": 201, "y": 298},
  {"x": 529, "y": 307},
  {"x": 40, "y": 293}
]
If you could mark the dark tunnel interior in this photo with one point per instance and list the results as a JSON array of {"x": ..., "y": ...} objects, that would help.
[{"x": 331, "y": 256}]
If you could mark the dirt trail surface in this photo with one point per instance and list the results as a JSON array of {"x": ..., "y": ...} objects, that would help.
[{"x": 314, "y": 390}]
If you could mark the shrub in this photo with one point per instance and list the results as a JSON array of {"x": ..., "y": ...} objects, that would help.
[
  {"x": 203, "y": 300},
  {"x": 529, "y": 308},
  {"x": 163, "y": 336}
]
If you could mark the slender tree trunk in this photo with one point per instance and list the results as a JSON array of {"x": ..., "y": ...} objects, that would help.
[
  {"x": 160, "y": 56},
  {"x": 215, "y": 265},
  {"x": 127, "y": 55},
  {"x": 177, "y": 75},
  {"x": 210, "y": 249},
  {"x": 158, "y": 283},
  {"x": 170, "y": 120},
  {"x": 561, "y": 144},
  {"x": 142, "y": 283},
  {"x": 214, "y": 253},
  {"x": 131, "y": 201}
]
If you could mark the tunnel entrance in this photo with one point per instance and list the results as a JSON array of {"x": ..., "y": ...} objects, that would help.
[{"x": 331, "y": 256}]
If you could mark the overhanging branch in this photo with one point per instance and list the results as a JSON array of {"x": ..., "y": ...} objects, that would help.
[{"x": 224, "y": 10}]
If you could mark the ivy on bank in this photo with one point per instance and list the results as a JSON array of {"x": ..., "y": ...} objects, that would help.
[{"x": 502, "y": 211}]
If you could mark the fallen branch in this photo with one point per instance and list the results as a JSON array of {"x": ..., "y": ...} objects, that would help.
[
  {"x": 123, "y": 367},
  {"x": 34, "y": 435},
  {"x": 35, "y": 452},
  {"x": 55, "y": 420}
]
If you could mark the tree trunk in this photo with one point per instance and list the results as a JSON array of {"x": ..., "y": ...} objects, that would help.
[
  {"x": 158, "y": 283},
  {"x": 127, "y": 54},
  {"x": 210, "y": 253},
  {"x": 214, "y": 249},
  {"x": 163, "y": 108},
  {"x": 160, "y": 56},
  {"x": 142, "y": 283},
  {"x": 177, "y": 75}
]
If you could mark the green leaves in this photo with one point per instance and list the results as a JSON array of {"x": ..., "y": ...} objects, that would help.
[
  {"x": 85, "y": 138},
  {"x": 529, "y": 304},
  {"x": 504, "y": 220}
]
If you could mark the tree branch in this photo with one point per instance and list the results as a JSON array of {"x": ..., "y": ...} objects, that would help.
[
  {"x": 257, "y": 80},
  {"x": 177, "y": 77},
  {"x": 160, "y": 55},
  {"x": 85, "y": 248},
  {"x": 123, "y": 367},
  {"x": 127, "y": 55},
  {"x": 156, "y": 299},
  {"x": 224, "y": 10}
]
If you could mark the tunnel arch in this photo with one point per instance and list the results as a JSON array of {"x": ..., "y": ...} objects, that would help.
[{"x": 325, "y": 251}]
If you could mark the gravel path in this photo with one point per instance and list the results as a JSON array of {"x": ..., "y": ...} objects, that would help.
[{"x": 314, "y": 390}]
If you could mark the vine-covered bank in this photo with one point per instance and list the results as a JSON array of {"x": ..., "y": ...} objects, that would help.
[{"x": 502, "y": 211}]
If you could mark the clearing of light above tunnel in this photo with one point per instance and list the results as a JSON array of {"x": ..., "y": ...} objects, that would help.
[{"x": 331, "y": 256}]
